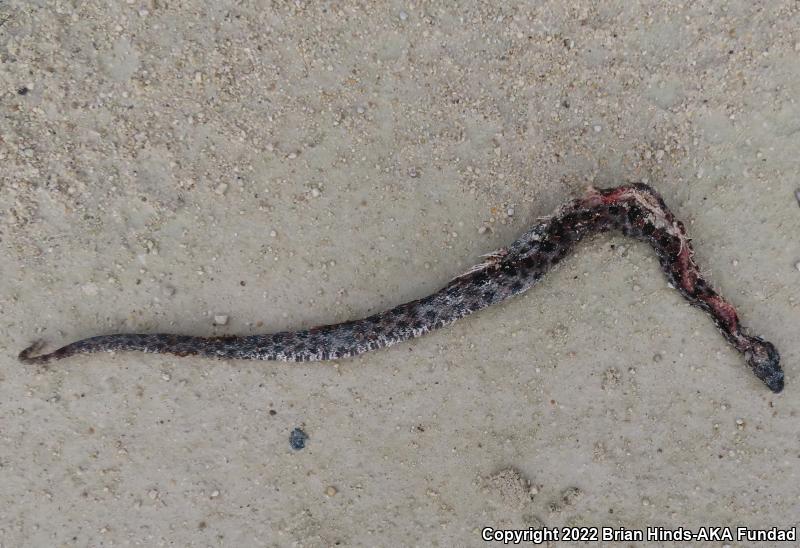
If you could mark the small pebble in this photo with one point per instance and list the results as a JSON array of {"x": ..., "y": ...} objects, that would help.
[
  {"x": 220, "y": 319},
  {"x": 510, "y": 212},
  {"x": 403, "y": 16},
  {"x": 598, "y": 129},
  {"x": 331, "y": 491},
  {"x": 508, "y": 488},
  {"x": 315, "y": 192},
  {"x": 297, "y": 439},
  {"x": 657, "y": 357},
  {"x": 273, "y": 234},
  {"x": 482, "y": 230},
  {"x": 214, "y": 494},
  {"x": 90, "y": 289},
  {"x": 570, "y": 496},
  {"x": 221, "y": 188},
  {"x": 797, "y": 265}
]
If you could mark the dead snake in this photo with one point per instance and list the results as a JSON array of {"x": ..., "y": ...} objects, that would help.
[{"x": 637, "y": 210}]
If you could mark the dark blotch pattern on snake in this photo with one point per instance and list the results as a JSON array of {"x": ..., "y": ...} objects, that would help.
[{"x": 637, "y": 210}]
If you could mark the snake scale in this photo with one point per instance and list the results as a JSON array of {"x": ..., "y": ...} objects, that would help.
[{"x": 636, "y": 210}]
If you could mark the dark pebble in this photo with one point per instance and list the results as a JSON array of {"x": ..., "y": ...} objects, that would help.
[{"x": 297, "y": 439}]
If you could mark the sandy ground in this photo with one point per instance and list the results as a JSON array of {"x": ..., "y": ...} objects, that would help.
[{"x": 294, "y": 163}]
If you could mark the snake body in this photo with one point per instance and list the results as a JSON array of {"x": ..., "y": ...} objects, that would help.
[{"x": 636, "y": 210}]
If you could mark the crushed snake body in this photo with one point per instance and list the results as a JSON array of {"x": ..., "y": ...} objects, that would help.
[{"x": 636, "y": 210}]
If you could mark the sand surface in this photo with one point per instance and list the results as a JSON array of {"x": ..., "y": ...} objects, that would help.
[{"x": 288, "y": 164}]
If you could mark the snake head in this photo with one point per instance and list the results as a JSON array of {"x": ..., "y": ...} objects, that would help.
[{"x": 763, "y": 357}]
